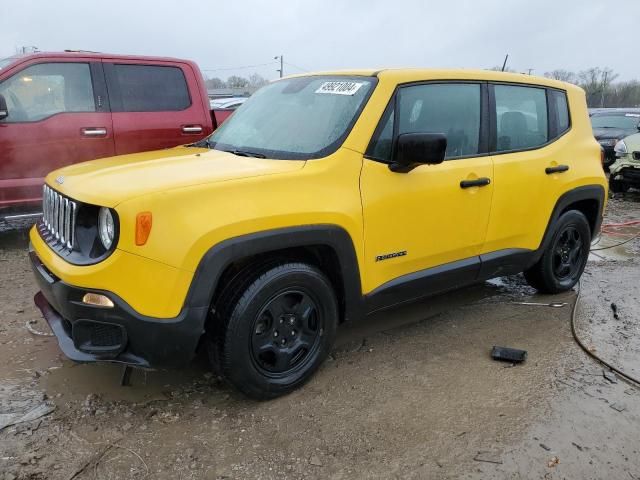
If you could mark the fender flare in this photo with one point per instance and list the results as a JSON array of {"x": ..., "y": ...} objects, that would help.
[
  {"x": 586, "y": 192},
  {"x": 220, "y": 256}
]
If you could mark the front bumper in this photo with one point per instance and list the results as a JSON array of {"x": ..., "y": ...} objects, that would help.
[
  {"x": 627, "y": 174},
  {"x": 88, "y": 333}
]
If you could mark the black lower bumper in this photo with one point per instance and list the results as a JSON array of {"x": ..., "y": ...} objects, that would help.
[
  {"x": 628, "y": 175},
  {"x": 88, "y": 333}
]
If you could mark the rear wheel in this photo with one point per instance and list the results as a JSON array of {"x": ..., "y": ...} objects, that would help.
[
  {"x": 564, "y": 259},
  {"x": 276, "y": 330}
]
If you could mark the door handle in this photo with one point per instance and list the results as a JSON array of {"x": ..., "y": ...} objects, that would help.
[
  {"x": 557, "y": 169},
  {"x": 94, "y": 132},
  {"x": 192, "y": 129},
  {"x": 480, "y": 182}
]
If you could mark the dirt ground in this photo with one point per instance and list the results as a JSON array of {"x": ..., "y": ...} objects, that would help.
[{"x": 409, "y": 393}]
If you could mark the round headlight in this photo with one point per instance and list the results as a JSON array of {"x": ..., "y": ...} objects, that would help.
[
  {"x": 106, "y": 227},
  {"x": 620, "y": 147}
]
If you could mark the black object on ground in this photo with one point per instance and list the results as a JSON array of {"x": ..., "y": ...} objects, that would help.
[
  {"x": 614, "y": 308},
  {"x": 125, "y": 379},
  {"x": 508, "y": 354}
]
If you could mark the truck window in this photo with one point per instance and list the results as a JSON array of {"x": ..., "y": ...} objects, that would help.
[
  {"x": 148, "y": 88},
  {"x": 45, "y": 89}
]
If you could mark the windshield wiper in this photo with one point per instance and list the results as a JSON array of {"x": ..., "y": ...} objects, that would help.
[{"x": 245, "y": 153}]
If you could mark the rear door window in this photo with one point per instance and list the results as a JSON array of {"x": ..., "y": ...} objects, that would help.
[
  {"x": 46, "y": 89},
  {"x": 521, "y": 115},
  {"x": 147, "y": 88}
]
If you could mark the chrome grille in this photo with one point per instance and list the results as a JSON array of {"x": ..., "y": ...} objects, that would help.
[{"x": 59, "y": 217}]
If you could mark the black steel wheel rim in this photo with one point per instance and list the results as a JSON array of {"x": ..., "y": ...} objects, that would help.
[
  {"x": 567, "y": 253},
  {"x": 286, "y": 333}
]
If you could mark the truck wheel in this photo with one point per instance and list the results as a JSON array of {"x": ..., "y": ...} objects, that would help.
[
  {"x": 276, "y": 331},
  {"x": 616, "y": 186},
  {"x": 564, "y": 259}
]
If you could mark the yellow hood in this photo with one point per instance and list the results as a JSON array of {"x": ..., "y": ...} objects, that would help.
[{"x": 110, "y": 181}]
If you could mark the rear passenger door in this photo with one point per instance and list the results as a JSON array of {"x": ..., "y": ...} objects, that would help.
[
  {"x": 531, "y": 163},
  {"x": 152, "y": 106}
]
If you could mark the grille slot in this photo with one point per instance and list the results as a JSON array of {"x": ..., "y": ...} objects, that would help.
[{"x": 59, "y": 218}]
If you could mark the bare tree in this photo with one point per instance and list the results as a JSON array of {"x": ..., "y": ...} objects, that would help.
[
  {"x": 596, "y": 82},
  {"x": 235, "y": 81},
  {"x": 215, "y": 82},
  {"x": 256, "y": 80},
  {"x": 562, "y": 75}
]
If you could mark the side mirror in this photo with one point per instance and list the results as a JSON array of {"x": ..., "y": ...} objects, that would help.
[
  {"x": 4, "y": 111},
  {"x": 415, "y": 149}
]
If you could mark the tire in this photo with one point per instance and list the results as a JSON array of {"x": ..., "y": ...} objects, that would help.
[
  {"x": 616, "y": 186},
  {"x": 564, "y": 259},
  {"x": 274, "y": 328}
]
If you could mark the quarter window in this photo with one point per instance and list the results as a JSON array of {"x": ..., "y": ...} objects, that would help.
[
  {"x": 562, "y": 110},
  {"x": 45, "y": 89},
  {"x": 148, "y": 88},
  {"x": 521, "y": 114}
]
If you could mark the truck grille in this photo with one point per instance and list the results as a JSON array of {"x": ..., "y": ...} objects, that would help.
[{"x": 59, "y": 217}]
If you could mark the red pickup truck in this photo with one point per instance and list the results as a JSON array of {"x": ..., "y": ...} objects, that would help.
[{"x": 62, "y": 108}]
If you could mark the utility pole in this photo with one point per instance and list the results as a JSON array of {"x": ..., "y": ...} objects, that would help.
[
  {"x": 281, "y": 71},
  {"x": 530, "y": 70}
]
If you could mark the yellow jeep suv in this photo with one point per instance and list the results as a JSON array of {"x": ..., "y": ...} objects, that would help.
[{"x": 324, "y": 198}]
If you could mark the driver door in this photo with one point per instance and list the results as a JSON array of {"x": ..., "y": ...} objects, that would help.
[
  {"x": 58, "y": 115},
  {"x": 424, "y": 229}
]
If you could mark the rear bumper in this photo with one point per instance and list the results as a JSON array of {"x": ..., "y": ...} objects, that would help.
[{"x": 88, "y": 333}]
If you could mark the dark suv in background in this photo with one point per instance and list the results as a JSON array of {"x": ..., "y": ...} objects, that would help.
[{"x": 610, "y": 125}]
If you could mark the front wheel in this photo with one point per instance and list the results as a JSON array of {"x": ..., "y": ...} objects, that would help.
[
  {"x": 278, "y": 330},
  {"x": 564, "y": 259}
]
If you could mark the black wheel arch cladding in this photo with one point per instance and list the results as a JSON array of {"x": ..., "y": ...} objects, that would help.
[{"x": 222, "y": 255}]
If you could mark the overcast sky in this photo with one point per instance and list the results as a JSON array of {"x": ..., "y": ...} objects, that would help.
[{"x": 328, "y": 34}]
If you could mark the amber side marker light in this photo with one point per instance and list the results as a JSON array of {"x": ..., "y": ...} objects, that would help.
[
  {"x": 144, "y": 220},
  {"x": 97, "y": 300}
]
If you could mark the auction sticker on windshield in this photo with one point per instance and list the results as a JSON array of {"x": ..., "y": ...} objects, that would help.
[{"x": 339, "y": 88}]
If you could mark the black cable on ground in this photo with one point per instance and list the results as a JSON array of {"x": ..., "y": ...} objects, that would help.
[
  {"x": 616, "y": 245},
  {"x": 628, "y": 378}
]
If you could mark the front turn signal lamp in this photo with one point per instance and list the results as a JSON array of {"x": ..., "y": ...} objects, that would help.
[{"x": 144, "y": 221}]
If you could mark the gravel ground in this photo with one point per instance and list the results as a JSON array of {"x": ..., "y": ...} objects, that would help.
[{"x": 408, "y": 393}]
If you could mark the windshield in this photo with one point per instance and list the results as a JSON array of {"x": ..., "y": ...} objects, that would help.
[
  {"x": 5, "y": 62},
  {"x": 626, "y": 122},
  {"x": 297, "y": 118}
]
